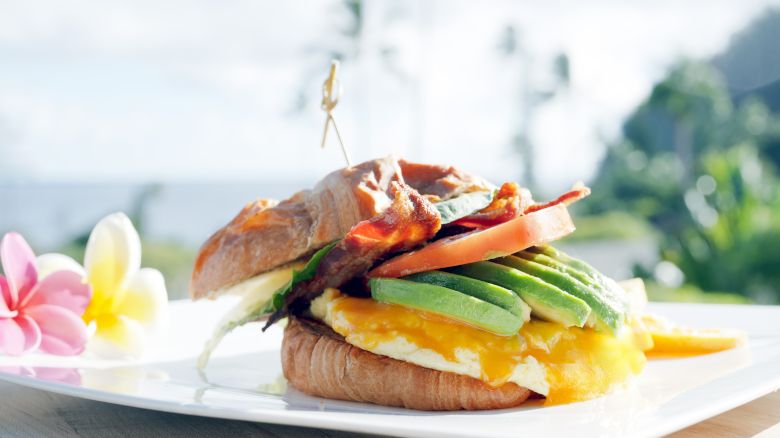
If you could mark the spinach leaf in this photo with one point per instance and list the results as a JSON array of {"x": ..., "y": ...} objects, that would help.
[
  {"x": 307, "y": 273},
  {"x": 242, "y": 315}
]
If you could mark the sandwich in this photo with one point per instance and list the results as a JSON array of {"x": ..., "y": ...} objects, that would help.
[{"x": 427, "y": 287}]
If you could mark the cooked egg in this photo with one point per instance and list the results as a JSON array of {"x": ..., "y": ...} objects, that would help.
[
  {"x": 563, "y": 364},
  {"x": 262, "y": 286},
  {"x": 254, "y": 292},
  {"x": 669, "y": 339}
]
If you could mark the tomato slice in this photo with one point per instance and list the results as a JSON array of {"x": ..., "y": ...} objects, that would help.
[{"x": 515, "y": 235}]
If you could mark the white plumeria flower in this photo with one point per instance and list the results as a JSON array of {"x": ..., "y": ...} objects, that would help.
[
  {"x": 53, "y": 262},
  {"x": 129, "y": 304}
]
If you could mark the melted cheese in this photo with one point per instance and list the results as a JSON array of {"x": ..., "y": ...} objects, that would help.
[{"x": 564, "y": 364}]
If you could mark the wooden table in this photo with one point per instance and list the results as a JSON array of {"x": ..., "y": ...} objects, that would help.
[{"x": 28, "y": 412}]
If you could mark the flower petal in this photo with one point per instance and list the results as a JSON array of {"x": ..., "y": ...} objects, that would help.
[
  {"x": 113, "y": 253},
  {"x": 32, "y": 332},
  {"x": 63, "y": 289},
  {"x": 146, "y": 299},
  {"x": 63, "y": 332},
  {"x": 11, "y": 338},
  {"x": 18, "y": 262},
  {"x": 5, "y": 299},
  {"x": 18, "y": 370},
  {"x": 53, "y": 262},
  {"x": 63, "y": 375},
  {"x": 117, "y": 337}
]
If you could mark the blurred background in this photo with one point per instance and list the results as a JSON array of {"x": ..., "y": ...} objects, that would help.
[{"x": 178, "y": 113}]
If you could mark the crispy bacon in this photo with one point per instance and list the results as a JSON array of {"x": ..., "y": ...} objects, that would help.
[
  {"x": 577, "y": 192},
  {"x": 512, "y": 201},
  {"x": 408, "y": 222}
]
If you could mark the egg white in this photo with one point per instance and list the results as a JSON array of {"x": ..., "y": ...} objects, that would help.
[{"x": 528, "y": 373}]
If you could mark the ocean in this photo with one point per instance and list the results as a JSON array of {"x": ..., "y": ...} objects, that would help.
[{"x": 50, "y": 215}]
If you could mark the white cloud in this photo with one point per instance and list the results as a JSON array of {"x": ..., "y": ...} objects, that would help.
[{"x": 204, "y": 90}]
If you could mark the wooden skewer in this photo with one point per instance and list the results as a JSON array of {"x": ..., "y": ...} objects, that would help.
[{"x": 331, "y": 91}]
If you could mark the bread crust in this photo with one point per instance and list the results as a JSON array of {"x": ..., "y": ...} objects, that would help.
[
  {"x": 317, "y": 361},
  {"x": 267, "y": 234}
]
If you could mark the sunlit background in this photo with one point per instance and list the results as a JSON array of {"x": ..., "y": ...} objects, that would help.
[{"x": 180, "y": 112}]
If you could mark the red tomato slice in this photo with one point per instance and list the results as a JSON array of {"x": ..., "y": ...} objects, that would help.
[{"x": 500, "y": 240}]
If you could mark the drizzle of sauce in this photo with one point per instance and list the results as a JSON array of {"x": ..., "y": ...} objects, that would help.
[{"x": 580, "y": 364}]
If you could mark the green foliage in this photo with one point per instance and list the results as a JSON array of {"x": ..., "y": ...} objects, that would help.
[
  {"x": 731, "y": 239},
  {"x": 703, "y": 172},
  {"x": 616, "y": 224},
  {"x": 174, "y": 260},
  {"x": 691, "y": 294}
]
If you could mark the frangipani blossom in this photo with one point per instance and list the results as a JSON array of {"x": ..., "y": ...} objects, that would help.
[
  {"x": 129, "y": 304},
  {"x": 39, "y": 312}
]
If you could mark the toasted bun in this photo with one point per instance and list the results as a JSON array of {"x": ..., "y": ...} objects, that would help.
[
  {"x": 268, "y": 234},
  {"x": 319, "y": 362}
]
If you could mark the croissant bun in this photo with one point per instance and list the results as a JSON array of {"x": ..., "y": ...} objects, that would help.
[
  {"x": 319, "y": 362},
  {"x": 267, "y": 234}
]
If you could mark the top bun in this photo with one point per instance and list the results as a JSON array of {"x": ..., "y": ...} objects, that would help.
[{"x": 267, "y": 234}]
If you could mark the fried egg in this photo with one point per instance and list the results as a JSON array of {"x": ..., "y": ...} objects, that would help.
[{"x": 563, "y": 364}]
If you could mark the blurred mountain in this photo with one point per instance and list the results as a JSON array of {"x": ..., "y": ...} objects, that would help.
[{"x": 751, "y": 63}]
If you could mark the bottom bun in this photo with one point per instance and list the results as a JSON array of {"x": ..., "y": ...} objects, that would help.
[{"x": 319, "y": 362}]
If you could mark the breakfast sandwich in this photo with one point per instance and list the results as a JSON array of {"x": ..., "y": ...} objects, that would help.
[{"x": 426, "y": 287}]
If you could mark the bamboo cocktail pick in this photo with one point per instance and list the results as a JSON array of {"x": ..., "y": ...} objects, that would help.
[{"x": 331, "y": 91}]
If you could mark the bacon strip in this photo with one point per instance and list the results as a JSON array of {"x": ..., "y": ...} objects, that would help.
[
  {"x": 510, "y": 202},
  {"x": 575, "y": 194},
  {"x": 409, "y": 221},
  {"x": 513, "y": 201}
]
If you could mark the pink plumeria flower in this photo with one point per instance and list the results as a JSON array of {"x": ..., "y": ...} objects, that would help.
[{"x": 43, "y": 313}]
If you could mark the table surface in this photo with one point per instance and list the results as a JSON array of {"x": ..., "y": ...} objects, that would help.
[{"x": 26, "y": 412}]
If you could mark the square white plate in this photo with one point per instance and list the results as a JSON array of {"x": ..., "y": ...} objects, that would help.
[{"x": 243, "y": 381}]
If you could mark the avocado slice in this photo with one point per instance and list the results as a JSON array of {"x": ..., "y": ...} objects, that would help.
[
  {"x": 463, "y": 205},
  {"x": 546, "y": 300},
  {"x": 446, "y": 302},
  {"x": 614, "y": 291},
  {"x": 605, "y": 316},
  {"x": 493, "y": 294},
  {"x": 609, "y": 289}
]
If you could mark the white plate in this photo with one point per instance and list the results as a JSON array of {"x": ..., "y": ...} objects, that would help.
[{"x": 243, "y": 382}]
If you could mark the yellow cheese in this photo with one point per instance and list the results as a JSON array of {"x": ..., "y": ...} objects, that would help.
[{"x": 563, "y": 364}]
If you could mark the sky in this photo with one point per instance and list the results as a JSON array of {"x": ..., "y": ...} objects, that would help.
[{"x": 107, "y": 91}]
